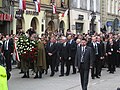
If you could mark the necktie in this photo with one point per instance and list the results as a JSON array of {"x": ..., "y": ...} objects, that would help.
[
  {"x": 51, "y": 44},
  {"x": 6, "y": 45},
  {"x": 82, "y": 54},
  {"x": 64, "y": 44},
  {"x": 83, "y": 49},
  {"x": 96, "y": 49}
]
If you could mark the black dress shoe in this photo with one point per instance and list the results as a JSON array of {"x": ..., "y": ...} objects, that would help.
[
  {"x": 97, "y": 77},
  {"x": 61, "y": 75},
  {"x": 67, "y": 74},
  {"x": 74, "y": 73},
  {"x": 35, "y": 77},
  {"x": 24, "y": 76},
  {"x": 99, "y": 74},
  {"x": 112, "y": 72},
  {"x": 93, "y": 77},
  {"x": 21, "y": 72},
  {"x": 52, "y": 75}
]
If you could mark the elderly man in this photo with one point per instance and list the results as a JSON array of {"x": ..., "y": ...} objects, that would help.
[{"x": 63, "y": 53}]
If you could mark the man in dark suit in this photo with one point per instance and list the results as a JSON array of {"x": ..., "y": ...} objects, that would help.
[
  {"x": 51, "y": 50},
  {"x": 96, "y": 55},
  {"x": 7, "y": 50},
  {"x": 102, "y": 53},
  {"x": 63, "y": 53},
  {"x": 83, "y": 61},
  {"x": 72, "y": 46}
]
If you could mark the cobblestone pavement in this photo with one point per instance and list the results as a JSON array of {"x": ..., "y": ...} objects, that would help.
[{"x": 71, "y": 82}]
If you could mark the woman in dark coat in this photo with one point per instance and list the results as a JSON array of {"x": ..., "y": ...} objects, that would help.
[{"x": 111, "y": 50}]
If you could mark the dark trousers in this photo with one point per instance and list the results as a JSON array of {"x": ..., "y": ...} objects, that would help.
[
  {"x": 63, "y": 61},
  {"x": 117, "y": 59},
  {"x": 52, "y": 62},
  {"x": 100, "y": 63},
  {"x": 73, "y": 64},
  {"x": 68, "y": 64},
  {"x": 67, "y": 67},
  {"x": 84, "y": 75},
  {"x": 95, "y": 71},
  {"x": 7, "y": 55},
  {"x": 111, "y": 63}
]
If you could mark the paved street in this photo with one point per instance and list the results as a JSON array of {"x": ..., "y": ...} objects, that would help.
[{"x": 107, "y": 82}]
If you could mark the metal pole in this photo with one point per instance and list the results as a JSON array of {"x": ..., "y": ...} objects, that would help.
[{"x": 69, "y": 13}]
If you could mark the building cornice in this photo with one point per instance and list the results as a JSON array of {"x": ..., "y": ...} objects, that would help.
[
  {"x": 113, "y": 15},
  {"x": 84, "y": 10}
]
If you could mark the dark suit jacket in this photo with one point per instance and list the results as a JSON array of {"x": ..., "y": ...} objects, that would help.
[
  {"x": 53, "y": 49},
  {"x": 102, "y": 49},
  {"x": 94, "y": 51},
  {"x": 109, "y": 48},
  {"x": 10, "y": 46},
  {"x": 64, "y": 51},
  {"x": 72, "y": 49},
  {"x": 87, "y": 58},
  {"x": 118, "y": 44}
]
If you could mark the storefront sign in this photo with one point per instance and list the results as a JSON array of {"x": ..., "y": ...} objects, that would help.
[
  {"x": 5, "y": 17},
  {"x": 19, "y": 14},
  {"x": 32, "y": 12}
]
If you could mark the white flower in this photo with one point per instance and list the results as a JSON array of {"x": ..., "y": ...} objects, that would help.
[{"x": 21, "y": 40}]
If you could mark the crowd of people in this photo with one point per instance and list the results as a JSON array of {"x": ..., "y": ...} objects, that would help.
[{"x": 44, "y": 52}]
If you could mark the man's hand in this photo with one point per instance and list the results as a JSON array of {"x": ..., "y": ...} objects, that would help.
[
  {"x": 106, "y": 54},
  {"x": 101, "y": 58},
  {"x": 11, "y": 53},
  {"x": 109, "y": 53},
  {"x": 60, "y": 58},
  {"x": 2, "y": 54},
  {"x": 69, "y": 58},
  {"x": 50, "y": 54},
  {"x": 91, "y": 67}
]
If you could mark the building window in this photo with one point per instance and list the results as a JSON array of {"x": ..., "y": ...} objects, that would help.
[
  {"x": 79, "y": 27},
  {"x": 52, "y": 1},
  {"x": 62, "y": 3},
  {"x": 42, "y": 27}
]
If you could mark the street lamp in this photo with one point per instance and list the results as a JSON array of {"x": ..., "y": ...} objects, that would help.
[{"x": 93, "y": 15}]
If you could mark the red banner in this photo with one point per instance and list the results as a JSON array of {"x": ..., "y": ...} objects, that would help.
[{"x": 5, "y": 17}]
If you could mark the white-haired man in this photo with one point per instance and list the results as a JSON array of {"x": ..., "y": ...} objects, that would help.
[{"x": 63, "y": 53}]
